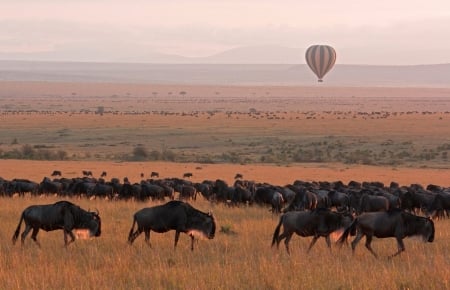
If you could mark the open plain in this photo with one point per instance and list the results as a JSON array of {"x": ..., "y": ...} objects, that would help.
[{"x": 269, "y": 134}]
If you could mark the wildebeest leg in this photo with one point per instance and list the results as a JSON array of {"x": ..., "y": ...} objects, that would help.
[
  {"x": 147, "y": 237},
  {"x": 72, "y": 237},
  {"x": 328, "y": 241},
  {"x": 65, "y": 238},
  {"x": 286, "y": 242},
  {"x": 401, "y": 247},
  {"x": 25, "y": 233},
  {"x": 177, "y": 236},
  {"x": 192, "y": 243},
  {"x": 359, "y": 236},
  {"x": 313, "y": 241},
  {"x": 281, "y": 237},
  {"x": 34, "y": 236},
  {"x": 134, "y": 235},
  {"x": 368, "y": 241}
]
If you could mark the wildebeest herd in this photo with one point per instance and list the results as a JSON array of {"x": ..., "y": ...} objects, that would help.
[{"x": 309, "y": 209}]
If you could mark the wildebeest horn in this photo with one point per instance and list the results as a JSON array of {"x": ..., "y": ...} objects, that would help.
[{"x": 210, "y": 213}]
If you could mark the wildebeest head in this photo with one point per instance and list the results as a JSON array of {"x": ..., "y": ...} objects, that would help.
[
  {"x": 93, "y": 223},
  {"x": 427, "y": 230},
  {"x": 204, "y": 227}
]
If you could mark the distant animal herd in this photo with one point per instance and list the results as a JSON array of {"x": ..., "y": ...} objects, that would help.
[{"x": 309, "y": 209}]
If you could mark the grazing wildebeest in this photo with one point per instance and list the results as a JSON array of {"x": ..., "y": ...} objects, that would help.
[
  {"x": 62, "y": 215},
  {"x": 50, "y": 187},
  {"x": 56, "y": 173},
  {"x": 154, "y": 174},
  {"x": 187, "y": 175},
  {"x": 174, "y": 215},
  {"x": 238, "y": 176},
  {"x": 222, "y": 191},
  {"x": 317, "y": 223},
  {"x": 393, "y": 223},
  {"x": 104, "y": 173},
  {"x": 439, "y": 206},
  {"x": 87, "y": 173},
  {"x": 21, "y": 186},
  {"x": 187, "y": 192},
  {"x": 269, "y": 195}
]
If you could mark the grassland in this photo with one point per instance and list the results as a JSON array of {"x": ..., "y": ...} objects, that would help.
[
  {"x": 243, "y": 125},
  {"x": 239, "y": 257},
  {"x": 270, "y": 134}
]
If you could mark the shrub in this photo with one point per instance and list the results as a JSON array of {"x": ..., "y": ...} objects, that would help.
[{"x": 140, "y": 153}]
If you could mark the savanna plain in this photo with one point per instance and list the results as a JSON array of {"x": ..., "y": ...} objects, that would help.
[{"x": 267, "y": 133}]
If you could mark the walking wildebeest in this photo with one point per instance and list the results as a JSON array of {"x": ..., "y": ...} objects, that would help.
[
  {"x": 104, "y": 173},
  {"x": 393, "y": 223},
  {"x": 60, "y": 215},
  {"x": 154, "y": 174},
  {"x": 318, "y": 223},
  {"x": 174, "y": 215}
]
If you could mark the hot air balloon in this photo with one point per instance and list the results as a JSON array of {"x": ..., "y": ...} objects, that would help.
[{"x": 320, "y": 58}]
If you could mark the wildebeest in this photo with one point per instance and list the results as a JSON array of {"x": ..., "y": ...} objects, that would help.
[
  {"x": 21, "y": 186},
  {"x": 439, "y": 206},
  {"x": 50, "y": 187},
  {"x": 62, "y": 215},
  {"x": 370, "y": 203},
  {"x": 238, "y": 176},
  {"x": 317, "y": 223},
  {"x": 56, "y": 173},
  {"x": 269, "y": 195},
  {"x": 154, "y": 174},
  {"x": 393, "y": 223},
  {"x": 104, "y": 173},
  {"x": 87, "y": 173},
  {"x": 187, "y": 175},
  {"x": 174, "y": 215}
]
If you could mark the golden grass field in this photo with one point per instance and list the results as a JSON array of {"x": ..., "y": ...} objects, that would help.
[
  {"x": 211, "y": 121},
  {"x": 243, "y": 260}
]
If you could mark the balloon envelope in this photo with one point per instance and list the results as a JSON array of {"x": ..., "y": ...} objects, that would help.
[{"x": 320, "y": 58}]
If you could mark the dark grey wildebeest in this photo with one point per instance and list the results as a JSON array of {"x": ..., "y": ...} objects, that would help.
[
  {"x": 394, "y": 223},
  {"x": 317, "y": 223},
  {"x": 174, "y": 215},
  {"x": 62, "y": 215}
]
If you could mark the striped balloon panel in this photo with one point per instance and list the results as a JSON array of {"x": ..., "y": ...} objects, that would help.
[{"x": 320, "y": 58}]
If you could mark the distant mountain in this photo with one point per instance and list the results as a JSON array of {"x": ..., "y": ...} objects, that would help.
[
  {"x": 238, "y": 55},
  {"x": 257, "y": 55},
  {"x": 226, "y": 74}
]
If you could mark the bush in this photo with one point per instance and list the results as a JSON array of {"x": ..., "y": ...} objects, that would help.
[{"x": 140, "y": 153}]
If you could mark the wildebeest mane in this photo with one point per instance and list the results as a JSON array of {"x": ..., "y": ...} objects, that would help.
[
  {"x": 196, "y": 216},
  {"x": 412, "y": 227},
  {"x": 81, "y": 217}
]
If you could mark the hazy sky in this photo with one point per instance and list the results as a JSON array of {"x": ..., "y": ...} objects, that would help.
[{"x": 362, "y": 31}]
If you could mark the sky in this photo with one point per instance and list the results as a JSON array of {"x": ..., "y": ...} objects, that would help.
[{"x": 382, "y": 32}]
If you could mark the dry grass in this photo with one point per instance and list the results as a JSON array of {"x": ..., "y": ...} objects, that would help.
[{"x": 230, "y": 261}]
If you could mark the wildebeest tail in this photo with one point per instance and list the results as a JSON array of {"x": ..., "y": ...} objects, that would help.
[
  {"x": 276, "y": 233},
  {"x": 349, "y": 230},
  {"x": 16, "y": 233},
  {"x": 130, "y": 235}
]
